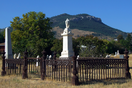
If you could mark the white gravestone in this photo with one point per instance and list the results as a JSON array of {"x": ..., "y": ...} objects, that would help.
[
  {"x": 49, "y": 60},
  {"x": 77, "y": 61},
  {"x": 118, "y": 52},
  {"x": 37, "y": 63},
  {"x": 122, "y": 56},
  {"x": 50, "y": 57},
  {"x": 108, "y": 56},
  {"x": 15, "y": 56},
  {"x": 67, "y": 42},
  {"x": 115, "y": 54},
  {"x": 8, "y": 46},
  {"x": 18, "y": 57},
  {"x": 47, "y": 56}
]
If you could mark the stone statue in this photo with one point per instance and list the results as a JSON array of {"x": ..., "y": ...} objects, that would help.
[
  {"x": 67, "y": 22},
  {"x": 67, "y": 42}
]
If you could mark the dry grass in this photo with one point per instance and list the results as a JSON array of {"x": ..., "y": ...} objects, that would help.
[
  {"x": 76, "y": 32},
  {"x": 14, "y": 81}
]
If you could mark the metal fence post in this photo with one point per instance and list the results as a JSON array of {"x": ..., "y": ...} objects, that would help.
[
  {"x": 24, "y": 74},
  {"x": 3, "y": 64},
  {"x": 75, "y": 72},
  {"x": 54, "y": 58},
  {"x": 43, "y": 68},
  {"x": 128, "y": 75}
]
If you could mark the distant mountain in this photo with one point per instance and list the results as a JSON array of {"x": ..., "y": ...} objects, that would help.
[{"x": 85, "y": 23}]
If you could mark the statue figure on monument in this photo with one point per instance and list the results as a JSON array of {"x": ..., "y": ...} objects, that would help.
[
  {"x": 67, "y": 29},
  {"x": 67, "y": 23}
]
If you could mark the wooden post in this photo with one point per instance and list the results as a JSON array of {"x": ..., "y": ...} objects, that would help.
[
  {"x": 43, "y": 65},
  {"x": 54, "y": 58},
  {"x": 3, "y": 64},
  {"x": 75, "y": 72},
  {"x": 128, "y": 75},
  {"x": 24, "y": 74}
]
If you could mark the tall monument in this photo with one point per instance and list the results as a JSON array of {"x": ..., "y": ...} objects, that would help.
[
  {"x": 67, "y": 41},
  {"x": 8, "y": 47}
]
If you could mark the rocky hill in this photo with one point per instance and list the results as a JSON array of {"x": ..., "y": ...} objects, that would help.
[{"x": 84, "y": 24}]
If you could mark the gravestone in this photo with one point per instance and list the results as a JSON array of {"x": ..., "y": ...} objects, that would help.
[
  {"x": 15, "y": 56},
  {"x": 47, "y": 56},
  {"x": 77, "y": 61},
  {"x": 37, "y": 63},
  {"x": 67, "y": 41},
  {"x": 107, "y": 56},
  {"x": 118, "y": 52},
  {"x": 49, "y": 60},
  {"x": 115, "y": 53},
  {"x": 18, "y": 57},
  {"x": 8, "y": 46},
  {"x": 50, "y": 57},
  {"x": 122, "y": 56}
]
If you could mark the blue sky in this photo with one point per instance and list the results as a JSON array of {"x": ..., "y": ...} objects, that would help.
[{"x": 114, "y": 13}]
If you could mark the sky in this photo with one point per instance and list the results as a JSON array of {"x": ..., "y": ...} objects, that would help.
[{"x": 114, "y": 13}]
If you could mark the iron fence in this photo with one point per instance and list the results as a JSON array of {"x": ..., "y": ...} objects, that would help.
[{"x": 68, "y": 69}]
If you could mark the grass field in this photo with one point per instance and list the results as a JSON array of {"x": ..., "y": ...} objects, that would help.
[{"x": 14, "y": 81}]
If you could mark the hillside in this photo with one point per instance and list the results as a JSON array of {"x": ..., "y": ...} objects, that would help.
[
  {"x": 83, "y": 24},
  {"x": 86, "y": 24}
]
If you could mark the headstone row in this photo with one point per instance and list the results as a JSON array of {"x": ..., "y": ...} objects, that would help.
[{"x": 17, "y": 57}]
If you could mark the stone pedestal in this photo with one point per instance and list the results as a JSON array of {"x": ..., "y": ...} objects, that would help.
[{"x": 67, "y": 44}]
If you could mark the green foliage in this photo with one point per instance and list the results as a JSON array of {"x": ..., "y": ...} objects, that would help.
[
  {"x": 127, "y": 43},
  {"x": 113, "y": 46},
  {"x": 120, "y": 37},
  {"x": 2, "y": 39},
  {"x": 76, "y": 47},
  {"x": 94, "y": 46},
  {"x": 33, "y": 32},
  {"x": 57, "y": 46}
]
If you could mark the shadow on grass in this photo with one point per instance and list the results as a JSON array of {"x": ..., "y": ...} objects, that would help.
[{"x": 106, "y": 82}]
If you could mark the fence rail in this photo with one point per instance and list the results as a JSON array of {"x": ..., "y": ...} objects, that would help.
[
  {"x": 73, "y": 70},
  {"x": 98, "y": 69},
  {"x": 59, "y": 69}
]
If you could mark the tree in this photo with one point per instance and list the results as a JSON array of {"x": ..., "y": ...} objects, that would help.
[
  {"x": 2, "y": 39},
  {"x": 33, "y": 32},
  {"x": 120, "y": 37},
  {"x": 76, "y": 47},
  {"x": 94, "y": 46},
  {"x": 57, "y": 46},
  {"x": 127, "y": 42}
]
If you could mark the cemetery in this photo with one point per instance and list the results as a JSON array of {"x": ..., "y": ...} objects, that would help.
[{"x": 66, "y": 68}]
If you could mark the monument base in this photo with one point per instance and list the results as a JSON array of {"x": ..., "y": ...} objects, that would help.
[{"x": 66, "y": 55}]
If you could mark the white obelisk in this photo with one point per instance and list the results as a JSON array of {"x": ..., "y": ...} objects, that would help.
[
  {"x": 67, "y": 42},
  {"x": 8, "y": 47}
]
